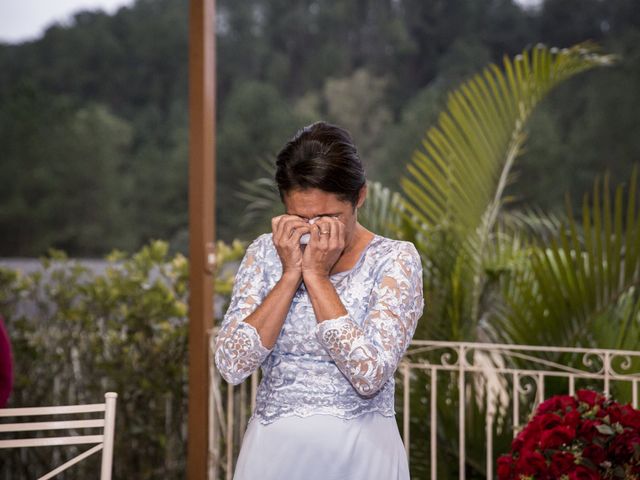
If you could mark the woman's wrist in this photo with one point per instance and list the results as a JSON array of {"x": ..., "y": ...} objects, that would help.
[
  {"x": 292, "y": 277},
  {"x": 310, "y": 276}
]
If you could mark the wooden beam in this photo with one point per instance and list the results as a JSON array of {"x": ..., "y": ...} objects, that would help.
[{"x": 201, "y": 227}]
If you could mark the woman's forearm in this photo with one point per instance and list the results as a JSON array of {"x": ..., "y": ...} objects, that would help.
[{"x": 269, "y": 316}]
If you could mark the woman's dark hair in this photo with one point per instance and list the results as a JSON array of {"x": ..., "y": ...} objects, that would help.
[{"x": 321, "y": 156}]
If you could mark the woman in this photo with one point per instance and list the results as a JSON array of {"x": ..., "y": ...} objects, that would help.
[{"x": 328, "y": 322}]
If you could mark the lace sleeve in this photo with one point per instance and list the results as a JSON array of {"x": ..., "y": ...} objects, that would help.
[
  {"x": 238, "y": 349},
  {"x": 369, "y": 354}
]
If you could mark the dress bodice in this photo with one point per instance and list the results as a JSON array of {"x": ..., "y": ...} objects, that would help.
[{"x": 343, "y": 366}]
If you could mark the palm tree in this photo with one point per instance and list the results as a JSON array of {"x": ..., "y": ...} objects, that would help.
[
  {"x": 580, "y": 287},
  {"x": 455, "y": 184}
]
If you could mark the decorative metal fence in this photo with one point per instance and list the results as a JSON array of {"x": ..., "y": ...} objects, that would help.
[{"x": 458, "y": 404}]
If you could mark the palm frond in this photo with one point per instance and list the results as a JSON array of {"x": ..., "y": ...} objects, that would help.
[
  {"x": 382, "y": 211},
  {"x": 461, "y": 170},
  {"x": 455, "y": 182},
  {"x": 260, "y": 194},
  {"x": 588, "y": 275},
  {"x": 537, "y": 224}
]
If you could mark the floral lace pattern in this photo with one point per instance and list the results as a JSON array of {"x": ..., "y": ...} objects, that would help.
[
  {"x": 342, "y": 367},
  {"x": 238, "y": 354}
]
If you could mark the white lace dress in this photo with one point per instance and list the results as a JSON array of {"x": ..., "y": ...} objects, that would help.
[{"x": 325, "y": 404}]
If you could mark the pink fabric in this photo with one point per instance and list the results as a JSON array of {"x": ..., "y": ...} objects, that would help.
[{"x": 6, "y": 365}]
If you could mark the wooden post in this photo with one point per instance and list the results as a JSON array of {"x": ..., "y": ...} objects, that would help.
[{"x": 201, "y": 227}]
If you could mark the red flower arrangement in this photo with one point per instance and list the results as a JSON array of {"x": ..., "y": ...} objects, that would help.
[{"x": 586, "y": 437}]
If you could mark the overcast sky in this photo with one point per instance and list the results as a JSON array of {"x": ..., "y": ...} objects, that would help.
[{"x": 22, "y": 20}]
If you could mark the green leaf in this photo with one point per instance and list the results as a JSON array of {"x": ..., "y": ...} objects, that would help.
[{"x": 604, "y": 429}]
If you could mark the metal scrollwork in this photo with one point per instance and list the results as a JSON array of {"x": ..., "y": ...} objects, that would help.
[{"x": 589, "y": 360}]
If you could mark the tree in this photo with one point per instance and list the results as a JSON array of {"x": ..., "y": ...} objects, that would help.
[
  {"x": 242, "y": 141},
  {"x": 64, "y": 162}
]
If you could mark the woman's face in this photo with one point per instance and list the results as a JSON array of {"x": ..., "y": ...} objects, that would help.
[{"x": 312, "y": 202}]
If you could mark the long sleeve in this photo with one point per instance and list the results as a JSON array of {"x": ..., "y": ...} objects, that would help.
[
  {"x": 238, "y": 349},
  {"x": 369, "y": 354}
]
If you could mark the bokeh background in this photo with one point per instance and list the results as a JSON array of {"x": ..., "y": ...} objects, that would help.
[{"x": 93, "y": 113}]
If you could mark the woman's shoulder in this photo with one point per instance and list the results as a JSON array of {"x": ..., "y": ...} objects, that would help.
[
  {"x": 393, "y": 248},
  {"x": 262, "y": 245},
  {"x": 262, "y": 239},
  {"x": 398, "y": 256}
]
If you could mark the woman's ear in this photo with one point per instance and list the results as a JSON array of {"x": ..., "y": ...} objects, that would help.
[{"x": 362, "y": 195}]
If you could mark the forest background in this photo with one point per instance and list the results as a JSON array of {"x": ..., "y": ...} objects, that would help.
[{"x": 94, "y": 125}]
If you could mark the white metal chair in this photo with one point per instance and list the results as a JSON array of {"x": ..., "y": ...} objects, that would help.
[{"x": 103, "y": 442}]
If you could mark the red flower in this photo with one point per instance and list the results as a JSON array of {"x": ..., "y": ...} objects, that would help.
[
  {"x": 615, "y": 413},
  {"x": 589, "y": 397},
  {"x": 630, "y": 417},
  {"x": 505, "y": 467},
  {"x": 595, "y": 453},
  {"x": 584, "y": 438},
  {"x": 561, "y": 463},
  {"x": 547, "y": 421},
  {"x": 550, "y": 405},
  {"x": 583, "y": 473},
  {"x": 531, "y": 463},
  {"x": 587, "y": 430},
  {"x": 567, "y": 402},
  {"x": 622, "y": 448},
  {"x": 556, "y": 437},
  {"x": 528, "y": 437},
  {"x": 558, "y": 402},
  {"x": 572, "y": 419}
]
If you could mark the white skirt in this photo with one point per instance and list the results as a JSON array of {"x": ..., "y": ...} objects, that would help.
[{"x": 323, "y": 447}]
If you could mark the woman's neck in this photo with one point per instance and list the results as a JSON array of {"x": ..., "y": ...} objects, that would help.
[{"x": 360, "y": 238}]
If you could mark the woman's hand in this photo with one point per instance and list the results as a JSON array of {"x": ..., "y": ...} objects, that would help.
[
  {"x": 287, "y": 230},
  {"x": 325, "y": 247}
]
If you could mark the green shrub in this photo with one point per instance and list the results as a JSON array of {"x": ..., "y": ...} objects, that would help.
[{"x": 78, "y": 333}]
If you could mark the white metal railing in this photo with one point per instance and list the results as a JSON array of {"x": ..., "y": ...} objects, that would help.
[{"x": 459, "y": 387}]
